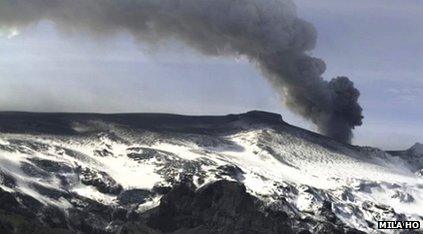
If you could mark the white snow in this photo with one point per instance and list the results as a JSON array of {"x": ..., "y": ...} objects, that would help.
[
  {"x": 129, "y": 173},
  {"x": 92, "y": 193},
  {"x": 267, "y": 158}
]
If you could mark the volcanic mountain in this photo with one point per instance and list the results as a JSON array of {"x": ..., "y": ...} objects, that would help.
[{"x": 162, "y": 173}]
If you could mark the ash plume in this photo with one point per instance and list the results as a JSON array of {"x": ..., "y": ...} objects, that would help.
[{"x": 268, "y": 32}]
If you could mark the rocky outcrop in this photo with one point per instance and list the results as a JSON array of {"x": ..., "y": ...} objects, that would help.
[{"x": 220, "y": 207}]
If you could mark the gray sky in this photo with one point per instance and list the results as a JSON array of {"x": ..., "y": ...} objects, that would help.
[{"x": 378, "y": 44}]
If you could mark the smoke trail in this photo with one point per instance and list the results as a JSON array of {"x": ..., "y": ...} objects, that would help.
[{"x": 268, "y": 32}]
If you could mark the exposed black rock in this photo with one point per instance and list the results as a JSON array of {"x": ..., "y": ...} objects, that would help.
[
  {"x": 103, "y": 153},
  {"x": 326, "y": 212},
  {"x": 325, "y": 228},
  {"x": 221, "y": 207},
  {"x": 51, "y": 166},
  {"x": 22, "y": 214},
  {"x": 134, "y": 196},
  {"x": 232, "y": 171},
  {"x": 160, "y": 189},
  {"x": 34, "y": 171},
  {"x": 50, "y": 192},
  {"x": 141, "y": 153},
  {"x": 101, "y": 180},
  {"x": 7, "y": 180}
]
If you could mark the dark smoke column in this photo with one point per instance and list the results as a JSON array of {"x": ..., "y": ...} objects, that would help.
[
  {"x": 268, "y": 32},
  {"x": 331, "y": 105}
]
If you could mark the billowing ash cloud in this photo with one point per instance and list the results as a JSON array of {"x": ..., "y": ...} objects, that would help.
[{"x": 268, "y": 32}]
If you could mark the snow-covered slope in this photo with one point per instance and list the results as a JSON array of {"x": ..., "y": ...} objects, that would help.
[
  {"x": 413, "y": 156},
  {"x": 130, "y": 161}
]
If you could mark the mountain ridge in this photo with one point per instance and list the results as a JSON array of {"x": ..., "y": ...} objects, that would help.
[{"x": 124, "y": 173}]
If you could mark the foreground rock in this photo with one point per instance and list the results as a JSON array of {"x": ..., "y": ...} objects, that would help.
[{"x": 220, "y": 207}]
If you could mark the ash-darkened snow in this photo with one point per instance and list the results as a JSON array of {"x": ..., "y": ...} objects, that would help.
[{"x": 154, "y": 173}]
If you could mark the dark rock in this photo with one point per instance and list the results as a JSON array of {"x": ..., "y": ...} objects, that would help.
[
  {"x": 136, "y": 228},
  {"x": 354, "y": 231},
  {"x": 34, "y": 171},
  {"x": 9, "y": 203},
  {"x": 142, "y": 153},
  {"x": 134, "y": 196},
  {"x": 186, "y": 179},
  {"x": 65, "y": 181},
  {"x": 89, "y": 216},
  {"x": 50, "y": 192},
  {"x": 119, "y": 214},
  {"x": 51, "y": 166},
  {"x": 326, "y": 212},
  {"x": 304, "y": 232},
  {"x": 132, "y": 215},
  {"x": 220, "y": 207},
  {"x": 139, "y": 156},
  {"x": 325, "y": 228},
  {"x": 159, "y": 189},
  {"x": 14, "y": 223},
  {"x": 101, "y": 180},
  {"x": 200, "y": 180},
  {"x": 370, "y": 224},
  {"x": 7, "y": 200},
  {"x": 403, "y": 196},
  {"x": 6, "y": 227},
  {"x": 7, "y": 180},
  {"x": 33, "y": 145},
  {"x": 232, "y": 171},
  {"x": 30, "y": 202},
  {"x": 86, "y": 222},
  {"x": 99, "y": 210},
  {"x": 103, "y": 153},
  {"x": 54, "y": 217}
]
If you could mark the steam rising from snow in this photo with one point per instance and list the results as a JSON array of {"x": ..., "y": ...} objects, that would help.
[{"x": 268, "y": 32}]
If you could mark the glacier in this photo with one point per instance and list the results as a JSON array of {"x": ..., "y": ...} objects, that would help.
[{"x": 130, "y": 163}]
